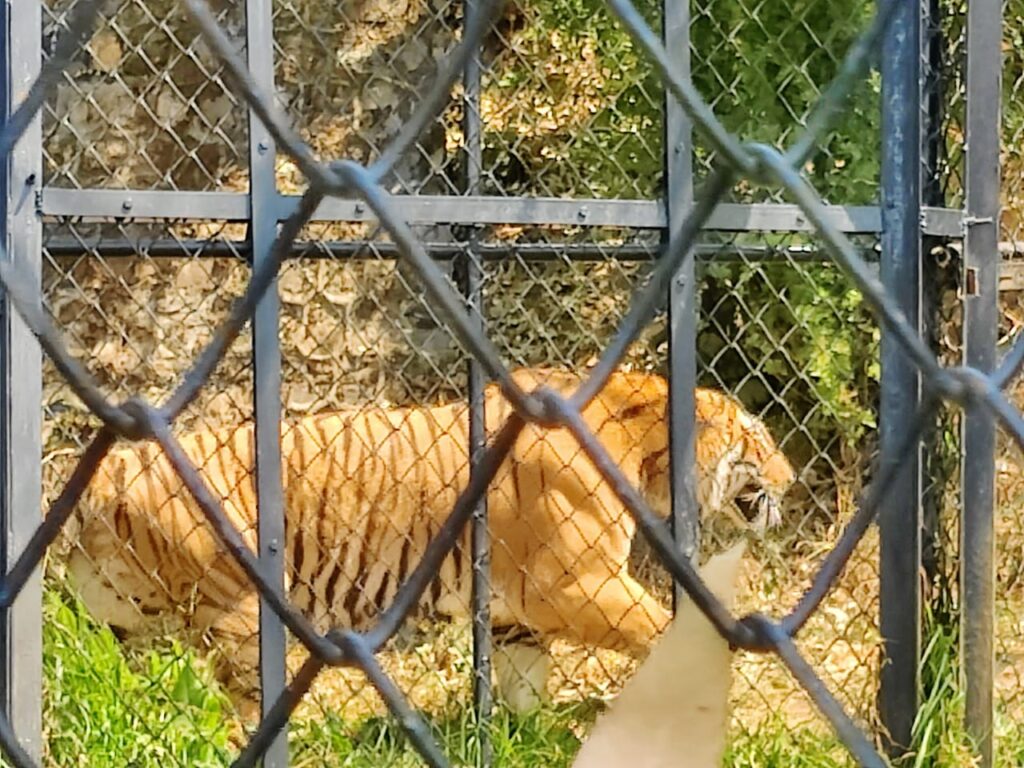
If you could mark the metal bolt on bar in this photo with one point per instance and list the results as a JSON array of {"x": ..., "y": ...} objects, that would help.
[
  {"x": 974, "y": 387},
  {"x": 266, "y": 377}
]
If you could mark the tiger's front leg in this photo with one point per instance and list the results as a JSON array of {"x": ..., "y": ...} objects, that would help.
[
  {"x": 579, "y": 584},
  {"x": 234, "y": 638},
  {"x": 522, "y": 665},
  {"x": 606, "y": 610}
]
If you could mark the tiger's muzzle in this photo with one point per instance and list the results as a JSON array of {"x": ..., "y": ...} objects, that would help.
[{"x": 761, "y": 509}]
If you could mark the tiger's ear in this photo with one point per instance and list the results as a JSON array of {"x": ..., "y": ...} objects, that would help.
[{"x": 530, "y": 379}]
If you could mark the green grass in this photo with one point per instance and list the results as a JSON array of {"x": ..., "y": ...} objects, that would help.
[
  {"x": 939, "y": 735},
  {"x": 543, "y": 738},
  {"x": 774, "y": 745},
  {"x": 100, "y": 708},
  {"x": 158, "y": 708}
]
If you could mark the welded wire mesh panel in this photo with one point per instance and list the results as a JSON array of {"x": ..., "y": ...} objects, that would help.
[
  {"x": 553, "y": 298},
  {"x": 587, "y": 122},
  {"x": 356, "y": 328},
  {"x": 146, "y": 106},
  {"x": 784, "y": 331},
  {"x": 781, "y": 329},
  {"x": 1013, "y": 81},
  {"x": 349, "y": 75},
  {"x": 555, "y": 295},
  {"x": 359, "y": 336},
  {"x": 943, "y": 87},
  {"x": 1009, "y": 608}
]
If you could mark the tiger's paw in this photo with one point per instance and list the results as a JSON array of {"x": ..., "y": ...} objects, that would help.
[{"x": 522, "y": 676}]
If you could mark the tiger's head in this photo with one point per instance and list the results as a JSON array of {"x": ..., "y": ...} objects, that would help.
[{"x": 740, "y": 469}]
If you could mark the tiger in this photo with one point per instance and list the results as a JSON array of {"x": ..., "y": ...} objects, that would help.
[{"x": 365, "y": 490}]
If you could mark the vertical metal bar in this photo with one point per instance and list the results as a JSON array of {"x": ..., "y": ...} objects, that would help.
[
  {"x": 934, "y": 83},
  {"x": 981, "y": 324},
  {"x": 481, "y": 543},
  {"x": 935, "y": 280},
  {"x": 480, "y": 547},
  {"x": 267, "y": 371},
  {"x": 900, "y": 519},
  {"x": 682, "y": 299},
  {"x": 21, "y": 659}
]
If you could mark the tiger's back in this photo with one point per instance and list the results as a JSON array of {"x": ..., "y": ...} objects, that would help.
[{"x": 145, "y": 547}]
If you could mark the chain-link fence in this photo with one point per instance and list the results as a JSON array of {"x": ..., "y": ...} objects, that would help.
[{"x": 551, "y": 185}]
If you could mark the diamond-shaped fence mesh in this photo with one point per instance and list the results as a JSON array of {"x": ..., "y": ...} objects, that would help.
[
  {"x": 1010, "y": 600},
  {"x": 588, "y": 123},
  {"x": 763, "y": 68},
  {"x": 350, "y": 73},
  {"x": 146, "y": 106},
  {"x": 943, "y": 89},
  {"x": 770, "y": 320},
  {"x": 135, "y": 300},
  {"x": 1013, "y": 82},
  {"x": 386, "y": 316}
]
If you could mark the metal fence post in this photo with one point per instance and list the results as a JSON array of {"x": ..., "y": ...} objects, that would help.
[
  {"x": 935, "y": 279},
  {"x": 981, "y": 327},
  {"x": 682, "y": 299},
  {"x": 267, "y": 372},
  {"x": 480, "y": 548},
  {"x": 21, "y": 382},
  {"x": 900, "y": 518}
]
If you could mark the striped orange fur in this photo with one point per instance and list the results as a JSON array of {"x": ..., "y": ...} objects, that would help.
[{"x": 366, "y": 490}]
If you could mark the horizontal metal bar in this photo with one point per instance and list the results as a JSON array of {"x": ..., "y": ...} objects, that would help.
[
  {"x": 630, "y": 252},
  {"x": 441, "y": 209},
  {"x": 782, "y": 217},
  {"x": 451, "y": 209},
  {"x": 642, "y": 214},
  {"x": 144, "y": 204},
  {"x": 420, "y": 209}
]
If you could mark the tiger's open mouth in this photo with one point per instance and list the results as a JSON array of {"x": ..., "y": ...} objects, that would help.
[{"x": 759, "y": 508}]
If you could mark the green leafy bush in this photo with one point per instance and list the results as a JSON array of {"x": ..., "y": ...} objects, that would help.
[
  {"x": 799, "y": 342},
  {"x": 576, "y": 127},
  {"x": 763, "y": 67},
  {"x": 570, "y": 107}
]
